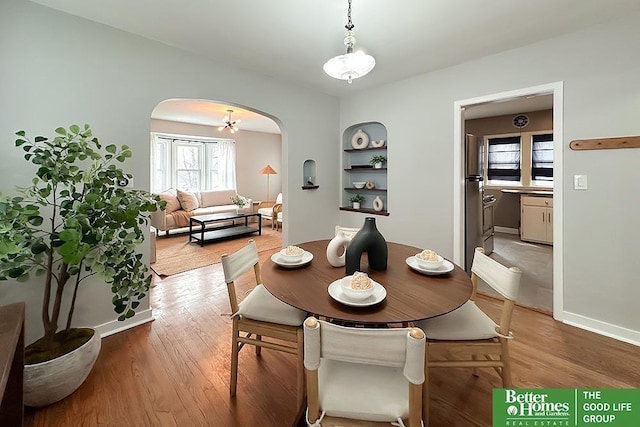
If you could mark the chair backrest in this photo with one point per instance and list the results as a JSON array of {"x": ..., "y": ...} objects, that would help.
[
  {"x": 279, "y": 198},
  {"x": 505, "y": 280},
  {"x": 237, "y": 264},
  {"x": 395, "y": 347}
]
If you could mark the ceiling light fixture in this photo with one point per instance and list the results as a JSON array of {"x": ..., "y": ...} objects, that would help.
[
  {"x": 351, "y": 65},
  {"x": 229, "y": 123}
]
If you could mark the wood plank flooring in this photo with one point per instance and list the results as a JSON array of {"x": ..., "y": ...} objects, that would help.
[{"x": 175, "y": 371}]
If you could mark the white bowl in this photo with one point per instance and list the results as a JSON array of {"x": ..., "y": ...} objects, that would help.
[
  {"x": 290, "y": 258},
  {"x": 355, "y": 294},
  {"x": 432, "y": 265},
  {"x": 359, "y": 184}
]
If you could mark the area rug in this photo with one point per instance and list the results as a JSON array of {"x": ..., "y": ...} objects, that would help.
[{"x": 174, "y": 254}]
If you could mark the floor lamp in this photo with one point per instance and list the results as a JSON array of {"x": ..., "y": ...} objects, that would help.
[{"x": 267, "y": 170}]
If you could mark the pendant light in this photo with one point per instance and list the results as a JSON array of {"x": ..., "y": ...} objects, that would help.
[
  {"x": 229, "y": 123},
  {"x": 351, "y": 65}
]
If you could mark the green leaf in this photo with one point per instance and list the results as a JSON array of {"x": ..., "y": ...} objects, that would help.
[
  {"x": 40, "y": 139},
  {"x": 21, "y": 133},
  {"x": 111, "y": 148},
  {"x": 19, "y": 142},
  {"x": 61, "y": 131},
  {"x": 74, "y": 129}
]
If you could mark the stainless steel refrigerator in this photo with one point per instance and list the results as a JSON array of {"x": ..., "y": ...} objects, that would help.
[{"x": 474, "y": 150}]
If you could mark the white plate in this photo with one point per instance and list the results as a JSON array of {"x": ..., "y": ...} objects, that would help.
[
  {"x": 446, "y": 267},
  {"x": 379, "y": 293},
  {"x": 306, "y": 259}
]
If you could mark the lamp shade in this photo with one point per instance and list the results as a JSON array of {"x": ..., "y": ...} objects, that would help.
[
  {"x": 267, "y": 170},
  {"x": 349, "y": 66}
]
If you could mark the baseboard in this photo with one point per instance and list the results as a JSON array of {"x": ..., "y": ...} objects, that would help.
[
  {"x": 603, "y": 328},
  {"x": 115, "y": 326},
  {"x": 506, "y": 230}
]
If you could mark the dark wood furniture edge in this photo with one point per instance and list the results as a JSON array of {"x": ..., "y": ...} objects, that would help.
[
  {"x": 367, "y": 211},
  {"x": 11, "y": 365}
]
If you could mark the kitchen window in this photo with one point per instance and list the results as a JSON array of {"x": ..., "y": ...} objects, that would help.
[
  {"x": 524, "y": 159},
  {"x": 503, "y": 159}
]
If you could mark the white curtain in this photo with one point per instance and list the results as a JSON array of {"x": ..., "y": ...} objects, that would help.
[{"x": 227, "y": 172}]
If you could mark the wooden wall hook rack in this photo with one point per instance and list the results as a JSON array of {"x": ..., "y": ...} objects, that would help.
[{"x": 605, "y": 143}]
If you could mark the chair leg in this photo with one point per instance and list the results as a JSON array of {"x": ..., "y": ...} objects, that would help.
[
  {"x": 301, "y": 390},
  {"x": 506, "y": 364},
  {"x": 425, "y": 389},
  {"x": 234, "y": 359},
  {"x": 258, "y": 348}
]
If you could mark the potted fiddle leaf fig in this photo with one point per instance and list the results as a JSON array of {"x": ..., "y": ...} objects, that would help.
[{"x": 73, "y": 222}]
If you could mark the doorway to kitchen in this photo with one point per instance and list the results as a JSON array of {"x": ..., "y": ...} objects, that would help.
[{"x": 555, "y": 90}]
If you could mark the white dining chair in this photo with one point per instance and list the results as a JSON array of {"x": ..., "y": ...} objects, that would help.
[
  {"x": 469, "y": 338},
  {"x": 261, "y": 319},
  {"x": 373, "y": 375}
]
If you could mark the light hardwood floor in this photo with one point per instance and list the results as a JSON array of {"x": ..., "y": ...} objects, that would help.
[{"x": 175, "y": 370}]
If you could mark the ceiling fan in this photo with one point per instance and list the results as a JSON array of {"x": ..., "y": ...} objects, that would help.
[{"x": 229, "y": 123}]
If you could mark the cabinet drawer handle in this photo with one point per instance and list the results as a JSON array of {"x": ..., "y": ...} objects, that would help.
[
  {"x": 542, "y": 216},
  {"x": 549, "y": 217}
]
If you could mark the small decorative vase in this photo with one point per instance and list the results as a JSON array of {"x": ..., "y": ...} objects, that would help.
[
  {"x": 368, "y": 240},
  {"x": 377, "y": 204},
  {"x": 338, "y": 245},
  {"x": 360, "y": 140}
]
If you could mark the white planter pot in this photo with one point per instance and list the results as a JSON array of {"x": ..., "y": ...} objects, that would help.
[
  {"x": 377, "y": 165},
  {"x": 48, "y": 382},
  {"x": 355, "y": 205}
]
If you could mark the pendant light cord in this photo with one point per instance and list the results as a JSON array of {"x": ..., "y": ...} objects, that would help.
[{"x": 349, "y": 25}]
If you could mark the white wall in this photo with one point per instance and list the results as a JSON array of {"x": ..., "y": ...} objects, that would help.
[
  {"x": 600, "y": 68},
  {"x": 57, "y": 70},
  {"x": 254, "y": 150}
]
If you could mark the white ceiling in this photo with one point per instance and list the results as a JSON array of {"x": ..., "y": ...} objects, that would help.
[{"x": 291, "y": 39}]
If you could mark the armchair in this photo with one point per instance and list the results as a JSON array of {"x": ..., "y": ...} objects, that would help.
[{"x": 269, "y": 210}]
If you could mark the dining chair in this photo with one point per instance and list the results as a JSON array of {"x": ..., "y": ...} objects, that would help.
[
  {"x": 261, "y": 319},
  {"x": 469, "y": 338},
  {"x": 373, "y": 375}
]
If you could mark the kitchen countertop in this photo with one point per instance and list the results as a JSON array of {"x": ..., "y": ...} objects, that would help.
[{"x": 527, "y": 191}]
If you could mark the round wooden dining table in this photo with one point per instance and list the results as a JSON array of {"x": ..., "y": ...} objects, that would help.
[{"x": 411, "y": 296}]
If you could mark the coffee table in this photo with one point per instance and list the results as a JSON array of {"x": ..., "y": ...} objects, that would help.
[{"x": 204, "y": 234}]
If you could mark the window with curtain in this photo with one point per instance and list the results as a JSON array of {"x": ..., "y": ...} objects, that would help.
[
  {"x": 192, "y": 164},
  {"x": 503, "y": 159},
  {"x": 542, "y": 157}
]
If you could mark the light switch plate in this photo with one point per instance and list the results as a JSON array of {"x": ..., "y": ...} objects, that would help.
[{"x": 580, "y": 182}]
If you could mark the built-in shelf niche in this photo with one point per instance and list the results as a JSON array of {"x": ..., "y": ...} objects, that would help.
[{"x": 309, "y": 178}]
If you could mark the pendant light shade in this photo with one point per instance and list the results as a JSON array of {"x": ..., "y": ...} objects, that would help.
[{"x": 351, "y": 65}]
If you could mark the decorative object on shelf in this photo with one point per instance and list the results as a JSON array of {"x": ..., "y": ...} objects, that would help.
[
  {"x": 360, "y": 140},
  {"x": 377, "y": 204},
  {"x": 338, "y": 245},
  {"x": 377, "y": 161},
  {"x": 370, "y": 185},
  {"x": 356, "y": 200},
  {"x": 378, "y": 144},
  {"x": 359, "y": 184},
  {"x": 267, "y": 170},
  {"x": 368, "y": 240},
  {"x": 229, "y": 123},
  {"x": 351, "y": 65},
  {"x": 73, "y": 223}
]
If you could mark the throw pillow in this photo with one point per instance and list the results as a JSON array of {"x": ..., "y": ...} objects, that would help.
[
  {"x": 173, "y": 204},
  {"x": 189, "y": 201}
]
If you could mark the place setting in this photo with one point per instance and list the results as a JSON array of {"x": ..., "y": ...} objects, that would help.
[
  {"x": 292, "y": 257},
  {"x": 430, "y": 263},
  {"x": 357, "y": 290}
]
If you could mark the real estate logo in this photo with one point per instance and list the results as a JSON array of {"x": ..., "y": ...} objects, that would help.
[{"x": 566, "y": 407}]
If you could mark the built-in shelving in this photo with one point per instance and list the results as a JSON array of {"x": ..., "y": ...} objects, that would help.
[{"x": 357, "y": 167}]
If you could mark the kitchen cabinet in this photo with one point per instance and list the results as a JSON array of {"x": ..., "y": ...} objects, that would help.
[{"x": 536, "y": 219}]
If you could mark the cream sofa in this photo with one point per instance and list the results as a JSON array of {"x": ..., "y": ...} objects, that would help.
[{"x": 181, "y": 205}]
